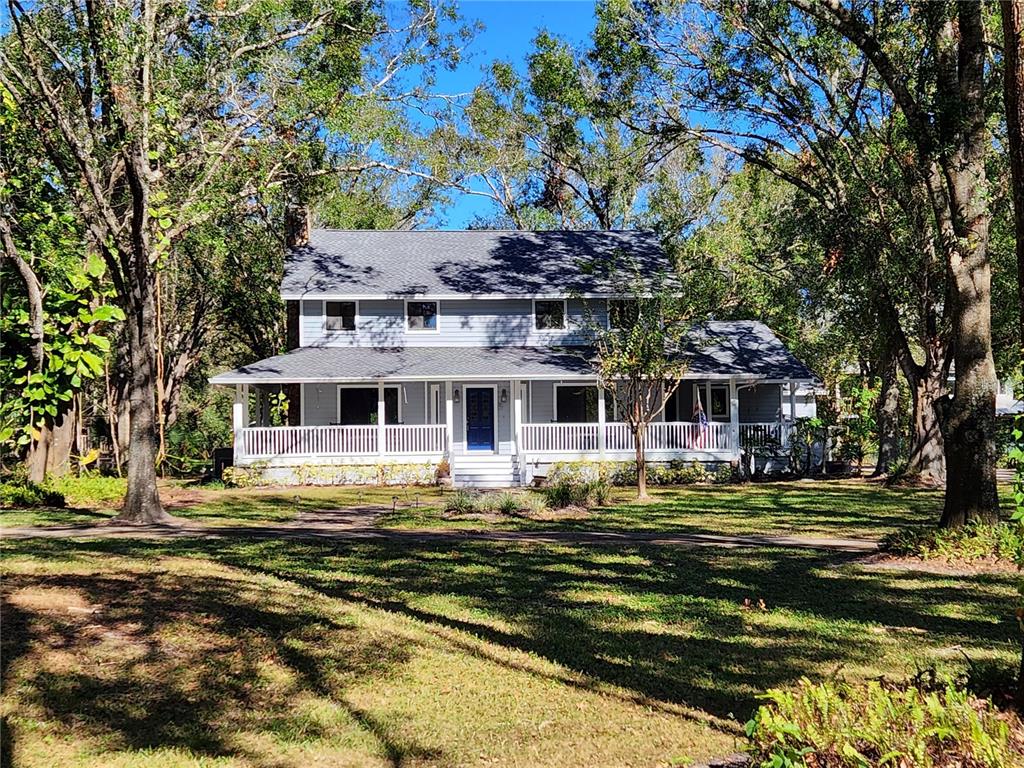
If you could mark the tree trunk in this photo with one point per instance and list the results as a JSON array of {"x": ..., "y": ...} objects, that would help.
[
  {"x": 969, "y": 418},
  {"x": 927, "y": 459},
  {"x": 63, "y": 437},
  {"x": 888, "y": 416},
  {"x": 1013, "y": 83},
  {"x": 38, "y": 451},
  {"x": 142, "y": 502},
  {"x": 641, "y": 462}
]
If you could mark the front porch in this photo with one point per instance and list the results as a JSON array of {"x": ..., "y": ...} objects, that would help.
[{"x": 511, "y": 429}]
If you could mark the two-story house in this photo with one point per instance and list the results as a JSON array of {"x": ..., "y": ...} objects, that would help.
[{"x": 412, "y": 347}]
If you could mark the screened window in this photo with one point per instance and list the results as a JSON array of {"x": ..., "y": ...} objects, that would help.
[
  {"x": 358, "y": 405},
  {"x": 576, "y": 404},
  {"x": 341, "y": 316},
  {"x": 549, "y": 315},
  {"x": 421, "y": 315},
  {"x": 719, "y": 401},
  {"x": 622, "y": 313}
]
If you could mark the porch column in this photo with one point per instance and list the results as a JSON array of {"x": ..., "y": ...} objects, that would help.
[
  {"x": 792, "y": 401},
  {"x": 449, "y": 417},
  {"x": 734, "y": 415},
  {"x": 380, "y": 417},
  {"x": 239, "y": 419},
  {"x": 600, "y": 422},
  {"x": 517, "y": 415}
]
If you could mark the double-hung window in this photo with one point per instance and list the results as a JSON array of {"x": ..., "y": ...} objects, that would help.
[
  {"x": 549, "y": 315},
  {"x": 622, "y": 313},
  {"x": 340, "y": 316},
  {"x": 421, "y": 315}
]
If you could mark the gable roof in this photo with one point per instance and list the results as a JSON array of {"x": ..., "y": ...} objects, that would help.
[
  {"x": 717, "y": 350},
  {"x": 365, "y": 263}
]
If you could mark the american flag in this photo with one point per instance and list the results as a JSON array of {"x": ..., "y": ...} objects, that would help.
[{"x": 700, "y": 418}]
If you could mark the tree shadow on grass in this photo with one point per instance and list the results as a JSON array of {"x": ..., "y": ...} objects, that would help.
[
  {"x": 665, "y": 624},
  {"x": 819, "y": 507},
  {"x": 158, "y": 659}
]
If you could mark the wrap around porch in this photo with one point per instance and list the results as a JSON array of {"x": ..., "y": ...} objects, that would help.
[{"x": 535, "y": 421}]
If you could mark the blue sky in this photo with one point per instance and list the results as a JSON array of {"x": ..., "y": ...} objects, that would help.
[{"x": 509, "y": 29}]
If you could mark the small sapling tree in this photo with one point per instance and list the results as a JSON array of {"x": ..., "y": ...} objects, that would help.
[{"x": 637, "y": 352}]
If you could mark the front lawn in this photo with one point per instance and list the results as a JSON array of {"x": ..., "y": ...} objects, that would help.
[
  {"x": 280, "y": 652},
  {"x": 838, "y": 508},
  {"x": 93, "y": 500}
]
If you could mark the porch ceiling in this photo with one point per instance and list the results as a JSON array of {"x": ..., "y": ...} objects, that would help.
[{"x": 330, "y": 364}]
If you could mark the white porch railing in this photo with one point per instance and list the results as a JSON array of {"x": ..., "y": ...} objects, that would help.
[
  {"x": 414, "y": 438},
  {"x": 767, "y": 435},
  {"x": 661, "y": 436},
  {"x": 361, "y": 440},
  {"x": 560, "y": 438}
]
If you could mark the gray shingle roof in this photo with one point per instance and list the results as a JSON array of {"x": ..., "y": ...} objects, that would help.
[
  {"x": 309, "y": 364},
  {"x": 473, "y": 262},
  {"x": 742, "y": 348},
  {"x": 720, "y": 349}
]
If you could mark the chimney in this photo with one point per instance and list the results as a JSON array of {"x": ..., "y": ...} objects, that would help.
[{"x": 296, "y": 224}]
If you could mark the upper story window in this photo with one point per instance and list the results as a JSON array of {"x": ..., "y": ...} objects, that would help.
[
  {"x": 340, "y": 316},
  {"x": 549, "y": 315},
  {"x": 421, "y": 315},
  {"x": 622, "y": 313}
]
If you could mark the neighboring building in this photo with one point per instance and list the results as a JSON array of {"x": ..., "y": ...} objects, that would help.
[{"x": 411, "y": 347}]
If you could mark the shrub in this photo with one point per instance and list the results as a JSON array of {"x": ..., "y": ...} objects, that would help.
[
  {"x": 1001, "y": 541},
  {"x": 568, "y": 493},
  {"x": 21, "y": 493},
  {"x": 831, "y": 725},
  {"x": 723, "y": 474},
  {"x": 462, "y": 502},
  {"x": 535, "y": 503},
  {"x": 599, "y": 493},
  {"x": 90, "y": 489},
  {"x": 560, "y": 493},
  {"x": 688, "y": 475},
  {"x": 508, "y": 503}
]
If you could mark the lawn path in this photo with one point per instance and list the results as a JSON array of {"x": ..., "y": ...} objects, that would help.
[{"x": 359, "y": 523}]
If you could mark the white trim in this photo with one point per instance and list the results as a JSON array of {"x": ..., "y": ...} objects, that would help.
[
  {"x": 231, "y": 381},
  {"x": 565, "y": 317},
  {"x": 302, "y": 405},
  {"x": 437, "y": 316},
  {"x": 554, "y": 399},
  {"x": 302, "y": 313},
  {"x": 465, "y": 426},
  {"x": 336, "y": 332},
  {"x": 337, "y": 398},
  {"x": 445, "y": 296}
]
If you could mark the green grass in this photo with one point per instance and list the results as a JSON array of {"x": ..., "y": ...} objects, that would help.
[
  {"x": 90, "y": 501},
  {"x": 842, "y": 508},
  {"x": 838, "y": 508},
  {"x": 273, "y": 652}
]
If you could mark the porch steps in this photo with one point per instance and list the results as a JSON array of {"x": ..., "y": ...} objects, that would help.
[{"x": 485, "y": 471}]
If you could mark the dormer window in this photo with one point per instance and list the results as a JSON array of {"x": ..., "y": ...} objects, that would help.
[
  {"x": 549, "y": 315},
  {"x": 340, "y": 316},
  {"x": 421, "y": 315}
]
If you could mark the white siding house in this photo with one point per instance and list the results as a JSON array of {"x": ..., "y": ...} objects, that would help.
[{"x": 413, "y": 347}]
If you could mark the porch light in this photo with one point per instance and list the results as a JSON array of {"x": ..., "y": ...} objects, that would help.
[
  {"x": 504, "y": 396},
  {"x": 456, "y": 397}
]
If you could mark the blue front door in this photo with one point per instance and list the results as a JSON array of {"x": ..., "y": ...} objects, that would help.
[{"x": 479, "y": 419}]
